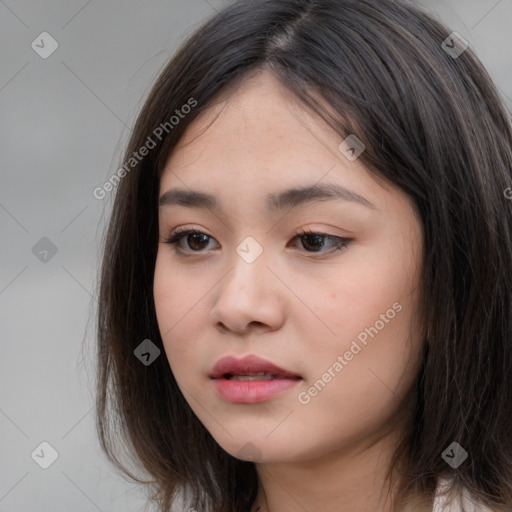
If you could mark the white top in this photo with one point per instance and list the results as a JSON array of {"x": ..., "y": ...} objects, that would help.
[
  {"x": 440, "y": 504},
  {"x": 470, "y": 504}
]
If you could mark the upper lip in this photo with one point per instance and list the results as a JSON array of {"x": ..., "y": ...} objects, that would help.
[{"x": 248, "y": 364}]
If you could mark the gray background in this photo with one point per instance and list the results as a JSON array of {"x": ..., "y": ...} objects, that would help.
[{"x": 64, "y": 122}]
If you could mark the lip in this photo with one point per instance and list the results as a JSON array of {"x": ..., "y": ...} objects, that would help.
[
  {"x": 248, "y": 364},
  {"x": 253, "y": 391}
]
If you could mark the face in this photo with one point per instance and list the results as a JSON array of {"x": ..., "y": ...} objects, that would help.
[{"x": 336, "y": 308}]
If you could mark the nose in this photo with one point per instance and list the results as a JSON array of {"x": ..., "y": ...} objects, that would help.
[{"x": 250, "y": 294}]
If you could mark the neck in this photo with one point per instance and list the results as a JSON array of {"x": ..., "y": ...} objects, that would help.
[{"x": 349, "y": 481}]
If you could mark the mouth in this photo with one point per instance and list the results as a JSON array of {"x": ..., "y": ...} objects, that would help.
[
  {"x": 252, "y": 388},
  {"x": 254, "y": 376},
  {"x": 248, "y": 368},
  {"x": 251, "y": 379}
]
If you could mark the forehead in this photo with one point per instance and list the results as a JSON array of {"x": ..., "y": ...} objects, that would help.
[
  {"x": 259, "y": 118},
  {"x": 255, "y": 143}
]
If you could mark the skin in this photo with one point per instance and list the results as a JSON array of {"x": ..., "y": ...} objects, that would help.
[{"x": 298, "y": 305}]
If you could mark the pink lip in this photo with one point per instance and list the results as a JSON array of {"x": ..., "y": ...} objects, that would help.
[
  {"x": 250, "y": 391},
  {"x": 253, "y": 391},
  {"x": 248, "y": 364}
]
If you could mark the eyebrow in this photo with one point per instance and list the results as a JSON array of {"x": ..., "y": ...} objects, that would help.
[{"x": 286, "y": 199}]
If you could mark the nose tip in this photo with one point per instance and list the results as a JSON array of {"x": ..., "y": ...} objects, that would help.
[{"x": 245, "y": 300}]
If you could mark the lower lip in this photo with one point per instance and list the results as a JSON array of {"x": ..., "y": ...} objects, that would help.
[{"x": 251, "y": 391}]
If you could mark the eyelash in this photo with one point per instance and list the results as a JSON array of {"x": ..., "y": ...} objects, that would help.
[{"x": 180, "y": 233}]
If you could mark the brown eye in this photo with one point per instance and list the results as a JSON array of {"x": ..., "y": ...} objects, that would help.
[
  {"x": 317, "y": 240},
  {"x": 312, "y": 242},
  {"x": 196, "y": 240}
]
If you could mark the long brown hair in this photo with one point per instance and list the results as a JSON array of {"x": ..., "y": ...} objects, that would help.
[{"x": 434, "y": 124}]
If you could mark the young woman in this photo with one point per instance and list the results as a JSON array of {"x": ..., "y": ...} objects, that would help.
[{"x": 306, "y": 291}]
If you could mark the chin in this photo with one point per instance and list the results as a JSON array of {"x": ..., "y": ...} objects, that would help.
[{"x": 259, "y": 450}]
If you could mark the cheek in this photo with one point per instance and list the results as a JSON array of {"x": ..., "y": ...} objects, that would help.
[
  {"x": 177, "y": 305},
  {"x": 383, "y": 274},
  {"x": 355, "y": 296},
  {"x": 371, "y": 313},
  {"x": 174, "y": 295}
]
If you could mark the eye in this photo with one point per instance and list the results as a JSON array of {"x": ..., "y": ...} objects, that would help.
[
  {"x": 314, "y": 238},
  {"x": 197, "y": 236},
  {"x": 197, "y": 240}
]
